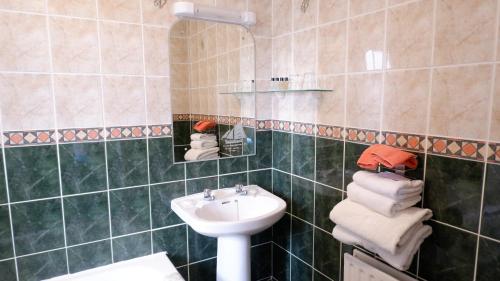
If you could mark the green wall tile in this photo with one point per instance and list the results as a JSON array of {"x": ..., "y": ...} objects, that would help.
[
  {"x": 453, "y": 190},
  {"x": 281, "y": 264},
  {"x": 201, "y": 169},
  {"x": 264, "y": 151},
  {"x": 3, "y": 188},
  {"x": 172, "y": 240},
  {"x": 352, "y": 153},
  {"x": 261, "y": 261},
  {"x": 42, "y": 266},
  {"x": 5, "y": 234},
  {"x": 232, "y": 165},
  {"x": 161, "y": 161},
  {"x": 86, "y": 218},
  {"x": 131, "y": 246},
  {"x": 300, "y": 270},
  {"x": 448, "y": 254},
  {"x": 491, "y": 203},
  {"x": 161, "y": 196},
  {"x": 303, "y": 199},
  {"x": 262, "y": 178},
  {"x": 8, "y": 270},
  {"x": 281, "y": 232},
  {"x": 37, "y": 226},
  {"x": 200, "y": 246},
  {"x": 198, "y": 185},
  {"x": 232, "y": 180},
  {"x": 302, "y": 240},
  {"x": 127, "y": 163},
  {"x": 282, "y": 187},
  {"x": 326, "y": 254},
  {"x": 282, "y": 151},
  {"x": 129, "y": 210},
  {"x": 203, "y": 271},
  {"x": 32, "y": 172},
  {"x": 181, "y": 132},
  {"x": 329, "y": 162},
  {"x": 83, "y": 167},
  {"x": 325, "y": 199},
  {"x": 89, "y": 256},
  {"x": 303, "y": 156},
  {"x": 488, "y": 265}
]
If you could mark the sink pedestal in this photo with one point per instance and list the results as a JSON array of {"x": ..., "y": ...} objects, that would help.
[{"x": 233, "y": 258}]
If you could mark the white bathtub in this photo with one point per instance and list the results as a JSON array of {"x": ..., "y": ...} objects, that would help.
[{"x": 155, "y": 267}]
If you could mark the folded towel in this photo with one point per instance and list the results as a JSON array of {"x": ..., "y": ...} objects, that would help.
[
  {"x": 388, "y": 156},
  {"x": 200, "y": 144},
  {"x": 389, "y": 184},
  {"x": 379, "y": 203},
  {"x": 386, "y": 233},
  {"x": 402, "y": 260},
  {"x": 201, "y": 154},
  {"x": 198, "y": 136}
]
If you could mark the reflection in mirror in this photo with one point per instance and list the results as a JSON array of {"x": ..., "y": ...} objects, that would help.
[{"x": 209, "y": 63}]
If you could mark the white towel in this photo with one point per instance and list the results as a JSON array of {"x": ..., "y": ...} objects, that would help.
[
  {"x": 201, "y": 154},
  {"x": 198, "y": 136},
  {"x": 200, "y": 144},
  {"x": 389, "y": 184},
  {"x": 386, "y": 233},
  {"x": 379, "y": 203},
  {"x": 402, "y": 260}
]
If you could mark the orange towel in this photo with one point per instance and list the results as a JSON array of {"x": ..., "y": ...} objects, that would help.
[{"x": 386, "y": 155}]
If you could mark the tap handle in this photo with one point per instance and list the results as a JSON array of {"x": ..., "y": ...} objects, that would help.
[{"x": 207, "y": 192}]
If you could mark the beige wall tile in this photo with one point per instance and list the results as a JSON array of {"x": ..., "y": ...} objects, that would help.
[
  {"x": 459, "y": 103},
  {"x": 211, "y": 41},
  {"x": 124, "y": 101},
  {"x": 331, "y": 48},
  {"x": 121, "y": 48},
  {"x": 178, "y": 50},
  {"x": 332, "y": 10},
  {"x": 222, "y": 74},
  {"x": 120, "y": 10},
  {"x": 409, "y": 35},
  {"x": 263, "y": 64},
  {"x": 282, "y": 10},
  {"x": 305, "y": 107},
  {"x": 75, "y": 8},
  {"x": 23, "y": 42},
  {"x": 180, "y": 29},
  {"x": 23, "y": 5},
  {"x": 263, "y": 106},
  {"x": 305, "y": 19},
  {"x": 464, "y": 31},
  {"x": 78, "y": 101},
  {"x": 405, "y": 101},
  {"x": 180, "y": 101},
  {"x": 158, "y": 101},
  {"x": 233, "y": 37},
  {"x": 26, "y": 102},
  {"x": 154, "y": 15},
  {"x": 396, "y": 2},
  {"x": 156, "y": 50},
  {"x": 233, "y": 66},
  {"x": 331, "y": 104},
  {"x": 495, "y": 112},
  {"x": 304, "y": 51},
  {"x": 74, "y": 45},
  {"x": 282, "y": 55},
  {"x": 264, "y": 12},
  {"x": 364, "y": 6},
  {"x": 282, "y": 107},
  {"x": 240, "y": 5},
  {"x": 179, "y": 76},
  {"x": 212, "y": 72},
  {"x": 366, "y": 42},
  {"x": 364, "y": 95},
  {"x": 221, "y": 38}
]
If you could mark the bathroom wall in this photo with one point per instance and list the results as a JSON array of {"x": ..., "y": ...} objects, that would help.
[
  {"x": 419, "y": 75},
  {"x": 86, "y": 161}
]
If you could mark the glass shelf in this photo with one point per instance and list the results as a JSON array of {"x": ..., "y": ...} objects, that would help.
[{"x": 278, "y": 91}]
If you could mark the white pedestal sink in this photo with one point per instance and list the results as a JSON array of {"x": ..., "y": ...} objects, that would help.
[{"x": 232, "y": 218}]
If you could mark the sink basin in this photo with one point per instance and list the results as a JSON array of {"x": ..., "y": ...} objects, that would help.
[{"x": 232, "y": 218}]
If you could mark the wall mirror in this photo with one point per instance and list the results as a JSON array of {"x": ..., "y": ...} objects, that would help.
[{"x": 212, "y": 74}]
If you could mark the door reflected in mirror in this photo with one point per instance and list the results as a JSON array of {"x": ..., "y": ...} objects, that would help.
[{"x": 212, "y": 74}]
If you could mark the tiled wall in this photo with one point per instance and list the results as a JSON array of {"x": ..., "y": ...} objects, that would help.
[
  {"x": 420, "y": 75},
  {"x": 86, "y": 161}
]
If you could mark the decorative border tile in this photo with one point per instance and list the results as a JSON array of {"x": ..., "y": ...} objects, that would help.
[
  {"x": 284, "y": 126},
  {"x": 181, "y": 117},
  {"x": 468, "y": 149},
  {"x": 160, "y": 130},
  {"x": 494, "y": 153},
  {"x": 329, "y": 131},
  {"x": 126, "y": 132},
  {"x": 304, "y": 128},
  {"x": 263, "y": 125},
  {"x": 362, "y": 135},
  {"x": 34, "y": 137},
  {"x": 220, "y": 119},
  {"x": 80, "y": 134},
  {"x": 405, "y": 141}
]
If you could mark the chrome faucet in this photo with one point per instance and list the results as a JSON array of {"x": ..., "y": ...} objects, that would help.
[
  {"x": 240, "y": 190},
  {"x": 207, "y": 195}
]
